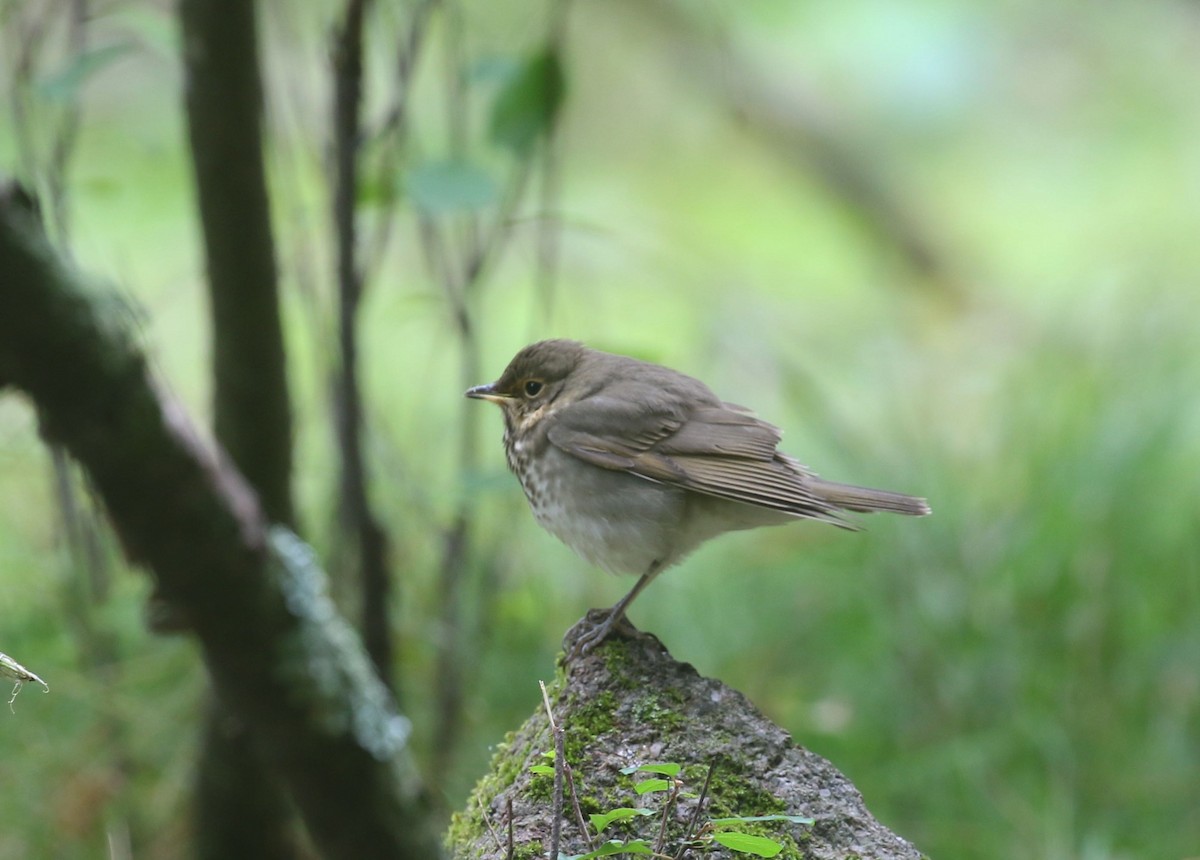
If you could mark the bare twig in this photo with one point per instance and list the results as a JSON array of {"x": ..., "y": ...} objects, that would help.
[
  {"x": 391, "y": 136},
  {"x": 450, "y": 272},
  {"x": 666, "y": 814},
  {"x": 508, "y": 855},
  {"x": 88, "y": 575},
  {"x": 460, "y": 251},
  {"x": 549, "y": 223},
  {"x": 559, "y": 762},
  {"x": 488, "y": 821},
  {"x": 683, "y": 845},
  {"x": 27, "y": 37},
  {"x": 63, "y": 145},
  {"x": 579, "y": 819}
]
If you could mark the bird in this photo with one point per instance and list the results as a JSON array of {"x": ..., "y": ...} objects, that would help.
[{"x": 633, "y": 465}]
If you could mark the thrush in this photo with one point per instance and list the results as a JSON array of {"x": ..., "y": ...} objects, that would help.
[{"x": 634, "y": 465}]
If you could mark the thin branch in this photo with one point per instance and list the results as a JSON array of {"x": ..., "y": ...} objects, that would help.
[
  {"x": 548, "y": 225},
  {"x": 358, "y": 518},
  {"x": 579, "y": 819},
  {"x": 391, "y": 137},
  {"x": 508, "y": 854},
  {"x": 483, "y": 810},
  {"x": 691, "y": 830},
  {"x": 661, "y": 842},
  {"x": 559, "y": 763}
]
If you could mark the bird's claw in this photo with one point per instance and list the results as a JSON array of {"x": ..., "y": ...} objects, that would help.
[{"x": 593, "y": 629}]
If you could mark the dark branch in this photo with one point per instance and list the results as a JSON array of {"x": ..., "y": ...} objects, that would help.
[
  {"x": 282, "y": 658},
  {"x": 361, "y": 525},
  {"x": 224, "y": 109},
  {"x": 240, "y": 804}
]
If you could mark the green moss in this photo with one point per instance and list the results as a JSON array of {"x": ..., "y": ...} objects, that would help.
[
  {"x": 616, "y": 661},
  {"x": 592, "y": 804},
  {"x": 730, "y": 794},
  {"x": 467, "y": 826},
  {"x": 540, "y": 788},
  {"x": 588, "y": 721},
  {"x": 653, "y": 711}
]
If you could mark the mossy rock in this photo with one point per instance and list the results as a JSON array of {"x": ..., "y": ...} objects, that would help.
[{"x": 629, "y": 703}]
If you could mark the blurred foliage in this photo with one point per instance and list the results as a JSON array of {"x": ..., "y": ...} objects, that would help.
[{"x": 1015, "y": 676}]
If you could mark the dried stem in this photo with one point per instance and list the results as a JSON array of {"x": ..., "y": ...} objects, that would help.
[
  {"x": 559, "y": 766},
  {"x": 691, "y": 831},
  {"x": 666, "y": 814},
  {"x": 579, "y": 819},
  {"x": 508, "y": 855},
  {"x": 488, "y": 822}
]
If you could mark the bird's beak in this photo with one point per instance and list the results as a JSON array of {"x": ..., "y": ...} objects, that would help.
[{"x": 487, "y": 392}]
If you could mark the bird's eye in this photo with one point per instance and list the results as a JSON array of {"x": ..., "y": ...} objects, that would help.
[{"x": 533, "y": 387}]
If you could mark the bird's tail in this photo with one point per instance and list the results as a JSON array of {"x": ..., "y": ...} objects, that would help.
[{"x": 865, "y": 500}]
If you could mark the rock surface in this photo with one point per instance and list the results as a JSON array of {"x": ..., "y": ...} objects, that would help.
[{"x": 629, "y": 703}]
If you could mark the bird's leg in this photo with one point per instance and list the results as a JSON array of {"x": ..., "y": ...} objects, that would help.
[{"x": 589, "y": 639}]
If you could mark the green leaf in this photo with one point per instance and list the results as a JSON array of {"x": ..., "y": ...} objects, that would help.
[
  {"x": 541, "y": 769},
  {"x": 619, "y": 814},
  {"x": 493, "y": 69},
  {"x": 759, "y": 846},
  {"x": 372, "y": 192},
  {"x": 613, "y": 846},
  {"x": 443, "y": 187},
  {"x": 636, "y": 846},
  {"x": 527, "y": 107},
  {"x": 666, "y": 768},
  {"x": 64, "y": 85},
  {"x": 795, "y": 819},
  {"x": 647, "y": 785}
]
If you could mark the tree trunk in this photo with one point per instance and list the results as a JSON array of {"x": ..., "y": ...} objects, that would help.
[{"x": 238, "y": 801}]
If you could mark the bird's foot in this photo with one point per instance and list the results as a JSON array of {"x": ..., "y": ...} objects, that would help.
[{"x": 594, "y": 628}]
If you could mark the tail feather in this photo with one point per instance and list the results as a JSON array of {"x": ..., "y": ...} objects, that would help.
[{"x": 866, "y": 500}]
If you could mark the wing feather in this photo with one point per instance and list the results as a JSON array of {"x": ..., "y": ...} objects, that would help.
[{"x": 719, "y": 450}]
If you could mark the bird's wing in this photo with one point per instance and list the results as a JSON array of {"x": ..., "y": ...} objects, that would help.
[
  {"x": 614, "y": 433},
  {"x": 719, "y": 450}
]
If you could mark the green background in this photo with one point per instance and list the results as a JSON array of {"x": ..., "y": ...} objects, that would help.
[{"x": 1015, "y": 676}]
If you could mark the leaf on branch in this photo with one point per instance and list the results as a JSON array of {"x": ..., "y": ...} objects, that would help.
[
  {"x": 759, "y": 846},
  {"x": 795, "y": 819},
  {"x": 612, "y": 847},
  {"x": 666, "y": 768},
  {"x": 64, "y": 85},
  {"x": 648, "y": 785},
  {"x": 619, "y": 814},
  {"x": 444, "y": 187},
  {"x": 527, "y": 107}
]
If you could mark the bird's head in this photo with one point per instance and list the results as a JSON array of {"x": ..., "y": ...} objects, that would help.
[{"x": 533, "y": 380}]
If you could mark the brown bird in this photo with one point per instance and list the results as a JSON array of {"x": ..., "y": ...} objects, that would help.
[{"x": 634, "y": 465}]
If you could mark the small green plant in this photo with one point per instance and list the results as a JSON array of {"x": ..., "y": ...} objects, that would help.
[{"x": 664, "y": 778}]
